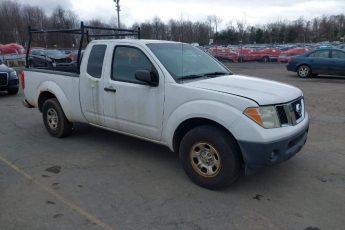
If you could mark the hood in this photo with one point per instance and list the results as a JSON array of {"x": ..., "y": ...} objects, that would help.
[
  {"x": 5, "y": 68},
  {"x": 264, "y": 92}
]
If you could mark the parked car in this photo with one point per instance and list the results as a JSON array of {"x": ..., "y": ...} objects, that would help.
[
  {"x": 322, "y": 61},
  {"x": 51, "y": 59},
  {"x": 12, "y": 48},
  {"x": 224, "y": 54},
  {"x": 285, "y": 56},
  {"x": 8, "y": 79},
  {"x": 176, "y": 95},
  {"x": 264, "y": 55},
  {"x": 268, "y": 54}
]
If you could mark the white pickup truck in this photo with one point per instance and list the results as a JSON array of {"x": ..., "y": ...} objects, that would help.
[{"x": 179, "y": 96}]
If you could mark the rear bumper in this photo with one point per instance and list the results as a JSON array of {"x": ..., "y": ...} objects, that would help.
[{"x": 258, "y": 155}]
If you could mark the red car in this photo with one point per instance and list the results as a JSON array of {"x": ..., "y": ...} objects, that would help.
[
  {"x": 224, "y": 54},
  {"x": 12, "y": 48},
  {"x": 286, "y": 55},
  {"x": 265, "y": 55}
]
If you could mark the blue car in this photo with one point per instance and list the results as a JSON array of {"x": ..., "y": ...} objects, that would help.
[{"x": 322, "y": 61}]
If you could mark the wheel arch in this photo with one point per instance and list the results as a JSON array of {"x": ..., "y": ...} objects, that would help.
[
  {"x": 43, "y": 97},
  {"x": 300, "y": 64},
  {"x": 48, "y": 90},
  {"x": 191, "y": 123}
]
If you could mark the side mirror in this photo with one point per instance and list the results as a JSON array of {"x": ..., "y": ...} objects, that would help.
[{"x": 150, "y": 77}]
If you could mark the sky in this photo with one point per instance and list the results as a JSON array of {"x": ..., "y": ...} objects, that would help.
[{"x": 251, "y": 12}]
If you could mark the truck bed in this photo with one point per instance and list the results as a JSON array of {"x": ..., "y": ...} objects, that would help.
[{"x": 66, "y": 84}]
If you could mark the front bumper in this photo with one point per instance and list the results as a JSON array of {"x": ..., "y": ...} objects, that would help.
[
  {"x": 291, "y": 67},
  {"x": 12, "y": 84},
  {"x": 258, "y": 155}
]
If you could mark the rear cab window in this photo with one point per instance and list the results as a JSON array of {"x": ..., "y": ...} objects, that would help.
[{"x": 95, "y": 62}]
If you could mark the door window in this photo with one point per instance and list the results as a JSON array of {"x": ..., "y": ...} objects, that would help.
[
  {"x": 320, "y": 54},
  {"x": 338, "y": 54},
  {"x": 95, "y": 63},
  {"x": 126, "y": 61}
]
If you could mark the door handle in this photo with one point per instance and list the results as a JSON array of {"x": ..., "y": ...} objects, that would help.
[{"x": 110, "y": 90}]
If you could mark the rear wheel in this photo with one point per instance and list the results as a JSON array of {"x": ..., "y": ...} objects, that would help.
[
  {"x": 303, "y": 71},
  {"x": 210, "y": 157},
  {"x": 55, "y": 119}
]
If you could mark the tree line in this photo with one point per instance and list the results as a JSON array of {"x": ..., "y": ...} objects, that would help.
[{"x": 15, "y": 19}]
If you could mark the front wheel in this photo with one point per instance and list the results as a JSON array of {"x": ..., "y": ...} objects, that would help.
[
  {"x": 303, "y": 71},
  {"x": 55, "y": 119},
  {"x": 210, "y": 157}
]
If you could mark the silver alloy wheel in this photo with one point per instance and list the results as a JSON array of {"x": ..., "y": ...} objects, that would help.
[
  {"x": 303, "y": 71},
  {"x": 205, "y": 159},
  {"x": 52, "y": 118}
]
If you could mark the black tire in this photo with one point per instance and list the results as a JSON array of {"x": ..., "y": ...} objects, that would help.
[
  {"x": 228, "y": 60},
  {"x": 13, "y": 91},
  {"x": 303, "y": 71},
  {"x": 31, "y": 64},
  {"x": 266, "y": 59},
  {"x": 216, "y": 143},
  {"x": 55, "y": 119}
]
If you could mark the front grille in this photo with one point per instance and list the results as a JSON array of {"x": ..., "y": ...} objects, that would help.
[
  {"x": 13, "y": 82},
  {"x": 3, "y": 79},
  {"x": 291, "y": 113},
  {"x": 63, "y": 60},
  {"x": 297, "y": 109},
  {"x": 282, "y": 115}
]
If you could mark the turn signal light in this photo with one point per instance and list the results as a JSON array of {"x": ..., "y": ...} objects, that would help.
[{"x": 254, "y": 114}]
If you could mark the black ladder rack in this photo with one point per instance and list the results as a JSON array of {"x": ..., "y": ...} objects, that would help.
[{"x": 83, "y": 31}]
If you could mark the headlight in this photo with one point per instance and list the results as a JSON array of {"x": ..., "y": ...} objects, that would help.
[
  {"x": 13, "y": 74},
  {"x": 265, "y": 116}
]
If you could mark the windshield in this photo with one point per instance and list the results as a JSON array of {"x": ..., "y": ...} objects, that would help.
[
  {"x": 54, "y": 53},
  {"x": 183, "y": 60}
]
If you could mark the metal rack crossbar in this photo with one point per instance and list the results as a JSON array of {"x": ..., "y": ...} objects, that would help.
[{"x": 83, "y": 31}]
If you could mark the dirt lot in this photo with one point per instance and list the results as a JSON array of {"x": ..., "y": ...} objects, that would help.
[{"x": 96, "y": 179}]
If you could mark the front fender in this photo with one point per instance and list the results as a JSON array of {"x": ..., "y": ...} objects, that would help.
[
  {"x": 218, "y": 112},
  {"x": 52, "y": 87}
]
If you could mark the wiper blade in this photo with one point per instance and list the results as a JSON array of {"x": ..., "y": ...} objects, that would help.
[
  {"x": 205, "y": 75},
  {"x": 216, "y": 74},
  {"x": 192, "y": 76}
]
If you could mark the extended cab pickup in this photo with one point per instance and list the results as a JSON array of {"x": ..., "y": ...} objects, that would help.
[{"x": 179, "y": 96}]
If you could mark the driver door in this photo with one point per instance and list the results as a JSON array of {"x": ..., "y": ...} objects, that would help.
[{"x": 133, "y": 106}]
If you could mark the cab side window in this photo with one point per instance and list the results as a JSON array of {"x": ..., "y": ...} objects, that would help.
[
  {"x": 320, "y": 54},
  {"x": 95, "y": 62},
  {"x": 127, "y": 60},
  {"x": 338, "y": 54}
]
